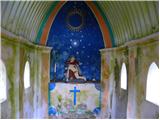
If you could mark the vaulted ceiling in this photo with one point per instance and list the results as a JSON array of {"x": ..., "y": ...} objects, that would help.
[{"x": 128, "y": 20}]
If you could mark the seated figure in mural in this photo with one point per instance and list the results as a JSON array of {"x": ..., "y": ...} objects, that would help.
[{"x": 73, "y": 71}]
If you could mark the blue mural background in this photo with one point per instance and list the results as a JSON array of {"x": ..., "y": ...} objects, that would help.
[{"x": 84, "y": 43}]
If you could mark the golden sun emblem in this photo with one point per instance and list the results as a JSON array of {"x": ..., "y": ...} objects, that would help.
[{"x": 75, "y": 20}]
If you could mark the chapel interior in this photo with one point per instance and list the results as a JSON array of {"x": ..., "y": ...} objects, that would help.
[{"x": 79, "y": 60}]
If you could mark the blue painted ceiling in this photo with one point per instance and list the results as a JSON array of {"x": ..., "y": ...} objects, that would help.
[{"x": 75, "y": 32}]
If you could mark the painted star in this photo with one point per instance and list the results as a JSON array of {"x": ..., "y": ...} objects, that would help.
[
  {"x": 77, "y": 53},
  {"x": 75, "y": 43},
  {"x": 82, "y": 36}
]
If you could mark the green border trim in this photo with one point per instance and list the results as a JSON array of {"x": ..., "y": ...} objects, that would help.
[
  {"x": 42, "y": 26},
  {"x": 107, "y": 23}
]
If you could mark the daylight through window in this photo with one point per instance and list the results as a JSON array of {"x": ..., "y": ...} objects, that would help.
[
  {"x": 3, "y": 91},
  {"x": 153, "y": 84},
  {"x": 123, "y": 77},
  {"x": 27, "y": 75}
]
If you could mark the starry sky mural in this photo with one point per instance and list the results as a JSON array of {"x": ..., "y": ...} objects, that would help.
[{"x": 75, "y": 32}]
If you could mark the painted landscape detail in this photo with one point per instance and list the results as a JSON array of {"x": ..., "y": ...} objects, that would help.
[{"x": 62, "y": 100}]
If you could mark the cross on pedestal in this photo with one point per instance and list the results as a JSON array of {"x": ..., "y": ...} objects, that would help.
[{"x": 75, "y": 91}]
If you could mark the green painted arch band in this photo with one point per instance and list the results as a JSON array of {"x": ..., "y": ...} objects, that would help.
[
  {"x": 43, "y": 26},
  {"x": 107, "y": 23}
]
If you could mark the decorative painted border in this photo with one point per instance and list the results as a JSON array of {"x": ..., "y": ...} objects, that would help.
[
  {"x": 47, "y": 22},
  {"x": 103, "y": 22}
]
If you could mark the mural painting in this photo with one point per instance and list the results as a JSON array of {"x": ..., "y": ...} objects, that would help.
[{"x": 75, "y": 33}]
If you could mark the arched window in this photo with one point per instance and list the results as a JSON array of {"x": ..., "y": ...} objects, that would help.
[
  {"x": 124, "y": 76},
  {"x": 3, "y": 91},
  {"x": 153, "y": 84},
  {"x": 26, "y": 75}
]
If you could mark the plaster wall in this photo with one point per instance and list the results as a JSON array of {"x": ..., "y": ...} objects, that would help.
[
  {"x": 130, "y": 103},
  {"x": 31, "y": 102},
  {"x": 114, "y": 98}
]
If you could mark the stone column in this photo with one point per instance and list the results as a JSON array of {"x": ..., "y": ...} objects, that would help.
[
  {"x": 107, "y": 77},
  {"x": 131, "y": 107}
]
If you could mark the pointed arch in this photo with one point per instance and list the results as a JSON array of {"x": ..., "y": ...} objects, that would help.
[
  {"x": 124, "y": 76},
  {"x": 153, "y": 84},
  {"x": 26, "y": 76},
  {"x": 3, "y": 82},
  {"x": 42, "y": 36}
]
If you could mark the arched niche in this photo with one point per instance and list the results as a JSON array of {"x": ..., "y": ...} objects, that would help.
[
  {"x": 153, "y": 84},
  {"x": 123, "y": 77},
  {"x": 3, "y": 85},
  {"x": 26, "y": 76},
  {"x": 79, "y": 43}
]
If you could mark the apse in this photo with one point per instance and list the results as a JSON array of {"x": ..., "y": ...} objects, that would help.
[{"x": 75, "y": 32}]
